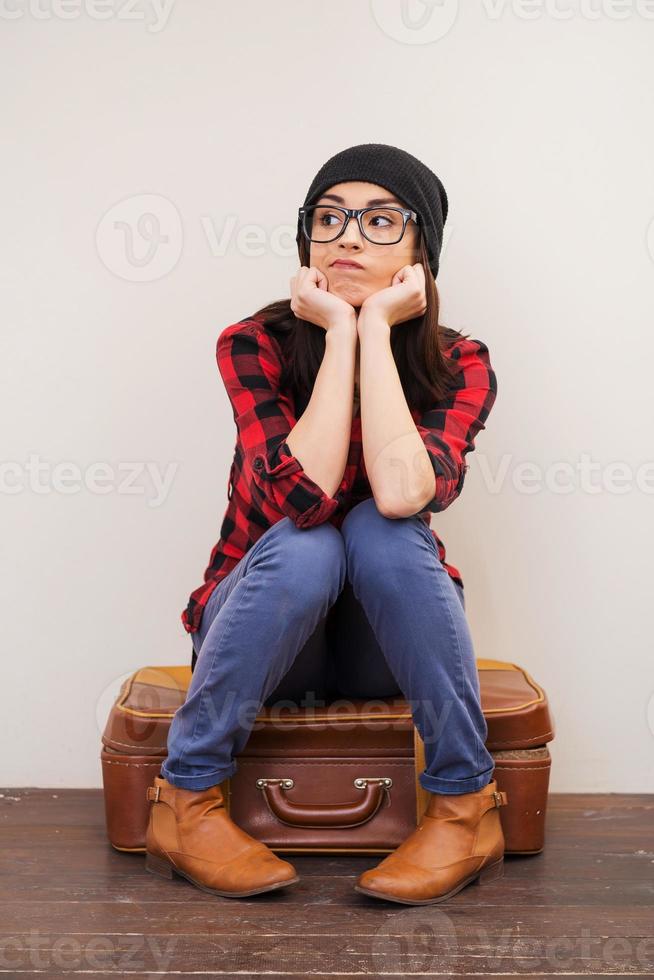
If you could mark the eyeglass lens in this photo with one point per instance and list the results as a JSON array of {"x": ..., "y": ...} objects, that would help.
[{"x": 381, "y": 225}]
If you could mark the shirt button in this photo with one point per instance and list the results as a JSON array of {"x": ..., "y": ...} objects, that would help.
[{"x": 258, "y": 462}]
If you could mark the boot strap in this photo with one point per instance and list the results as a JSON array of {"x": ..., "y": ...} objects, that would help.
[
  {"x": 497, "y": 798},
  {"x": 157, "y": 794},
  {"x": 161, "y": 794}
]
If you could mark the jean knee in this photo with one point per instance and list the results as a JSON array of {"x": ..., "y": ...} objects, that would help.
[
  {"x": 363, "y": 512},
  {"x": 367, "y": 531},
  {"x": 313, "y": 560}
]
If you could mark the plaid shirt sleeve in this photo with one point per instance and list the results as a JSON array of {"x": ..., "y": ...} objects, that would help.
[
  {"x": 449, "y": 429},
  {"x": 250, "y": 367}
]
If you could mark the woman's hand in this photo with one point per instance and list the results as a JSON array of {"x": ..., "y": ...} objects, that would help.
[
  {"x": 403, "y": 300},
  {"x": 311, "y": 300}
]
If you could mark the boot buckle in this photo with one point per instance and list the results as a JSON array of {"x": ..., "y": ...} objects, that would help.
[{"x": 152, "y": 793}]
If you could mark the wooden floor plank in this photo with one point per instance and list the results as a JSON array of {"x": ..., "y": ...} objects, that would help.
[{"x": 70, "y": 904}]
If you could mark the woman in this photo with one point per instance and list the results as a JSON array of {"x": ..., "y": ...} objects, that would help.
[{"x": 354, "y": 410}]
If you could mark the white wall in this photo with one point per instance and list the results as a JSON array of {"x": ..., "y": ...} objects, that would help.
[{"x": 540, "y": 128}]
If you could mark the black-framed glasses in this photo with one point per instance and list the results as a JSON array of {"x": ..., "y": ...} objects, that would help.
[{"x": 381, "y": 226}]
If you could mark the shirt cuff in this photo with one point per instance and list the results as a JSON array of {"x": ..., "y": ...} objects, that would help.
[{"x": 282, "y": 477}]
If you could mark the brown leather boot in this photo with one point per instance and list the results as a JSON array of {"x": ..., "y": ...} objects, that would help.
[
  {"x": 458, "y": 840},
  {"x": 190, "y": 833}
]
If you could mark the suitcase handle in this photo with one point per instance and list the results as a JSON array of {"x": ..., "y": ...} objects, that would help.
[{"x": 326, "y": 814}]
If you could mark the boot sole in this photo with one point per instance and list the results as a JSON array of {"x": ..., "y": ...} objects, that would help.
[
  {"x": 483, "y": 877},
  {"x": 160, "y": 867}
]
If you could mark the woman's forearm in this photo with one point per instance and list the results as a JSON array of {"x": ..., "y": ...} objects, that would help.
[
  {"x": 320, "y": 439},
  {"x": 397, "y": 463}
]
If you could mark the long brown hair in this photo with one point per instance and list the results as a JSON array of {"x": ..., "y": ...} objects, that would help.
[{"x": 417, "y": 345}]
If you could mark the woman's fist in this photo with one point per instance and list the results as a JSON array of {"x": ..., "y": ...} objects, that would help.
[
  {"x": 312, "y": 301},
  {"x": 403, "y": 300}
]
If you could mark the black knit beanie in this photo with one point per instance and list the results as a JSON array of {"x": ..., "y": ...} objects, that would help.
[{"x": 402, "y": 174}]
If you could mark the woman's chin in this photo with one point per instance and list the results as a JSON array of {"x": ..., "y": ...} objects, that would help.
[{"x": 355, "y": 297}]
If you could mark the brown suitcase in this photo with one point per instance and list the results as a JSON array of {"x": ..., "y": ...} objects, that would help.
[{"x": 335, "y": 779}]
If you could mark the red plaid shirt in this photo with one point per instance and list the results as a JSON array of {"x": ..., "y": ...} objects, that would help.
[{"x": 267, "y": 483}]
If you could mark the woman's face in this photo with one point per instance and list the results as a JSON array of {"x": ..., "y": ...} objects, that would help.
[{"x": 377, "y": 263}]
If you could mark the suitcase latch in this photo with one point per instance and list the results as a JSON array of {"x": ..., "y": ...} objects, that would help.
[{"x": 285, "y": 783}]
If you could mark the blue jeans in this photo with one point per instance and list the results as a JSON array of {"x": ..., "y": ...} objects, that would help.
[{"x": 364, "y": 611}]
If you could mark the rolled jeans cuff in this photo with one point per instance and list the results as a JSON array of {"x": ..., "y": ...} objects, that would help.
[
  {"x": 201, "y": 781},
  {"x": 434, "y": 784}
]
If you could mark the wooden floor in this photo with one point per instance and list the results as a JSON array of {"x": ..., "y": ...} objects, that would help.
[{"x": 72, "y": 905}]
